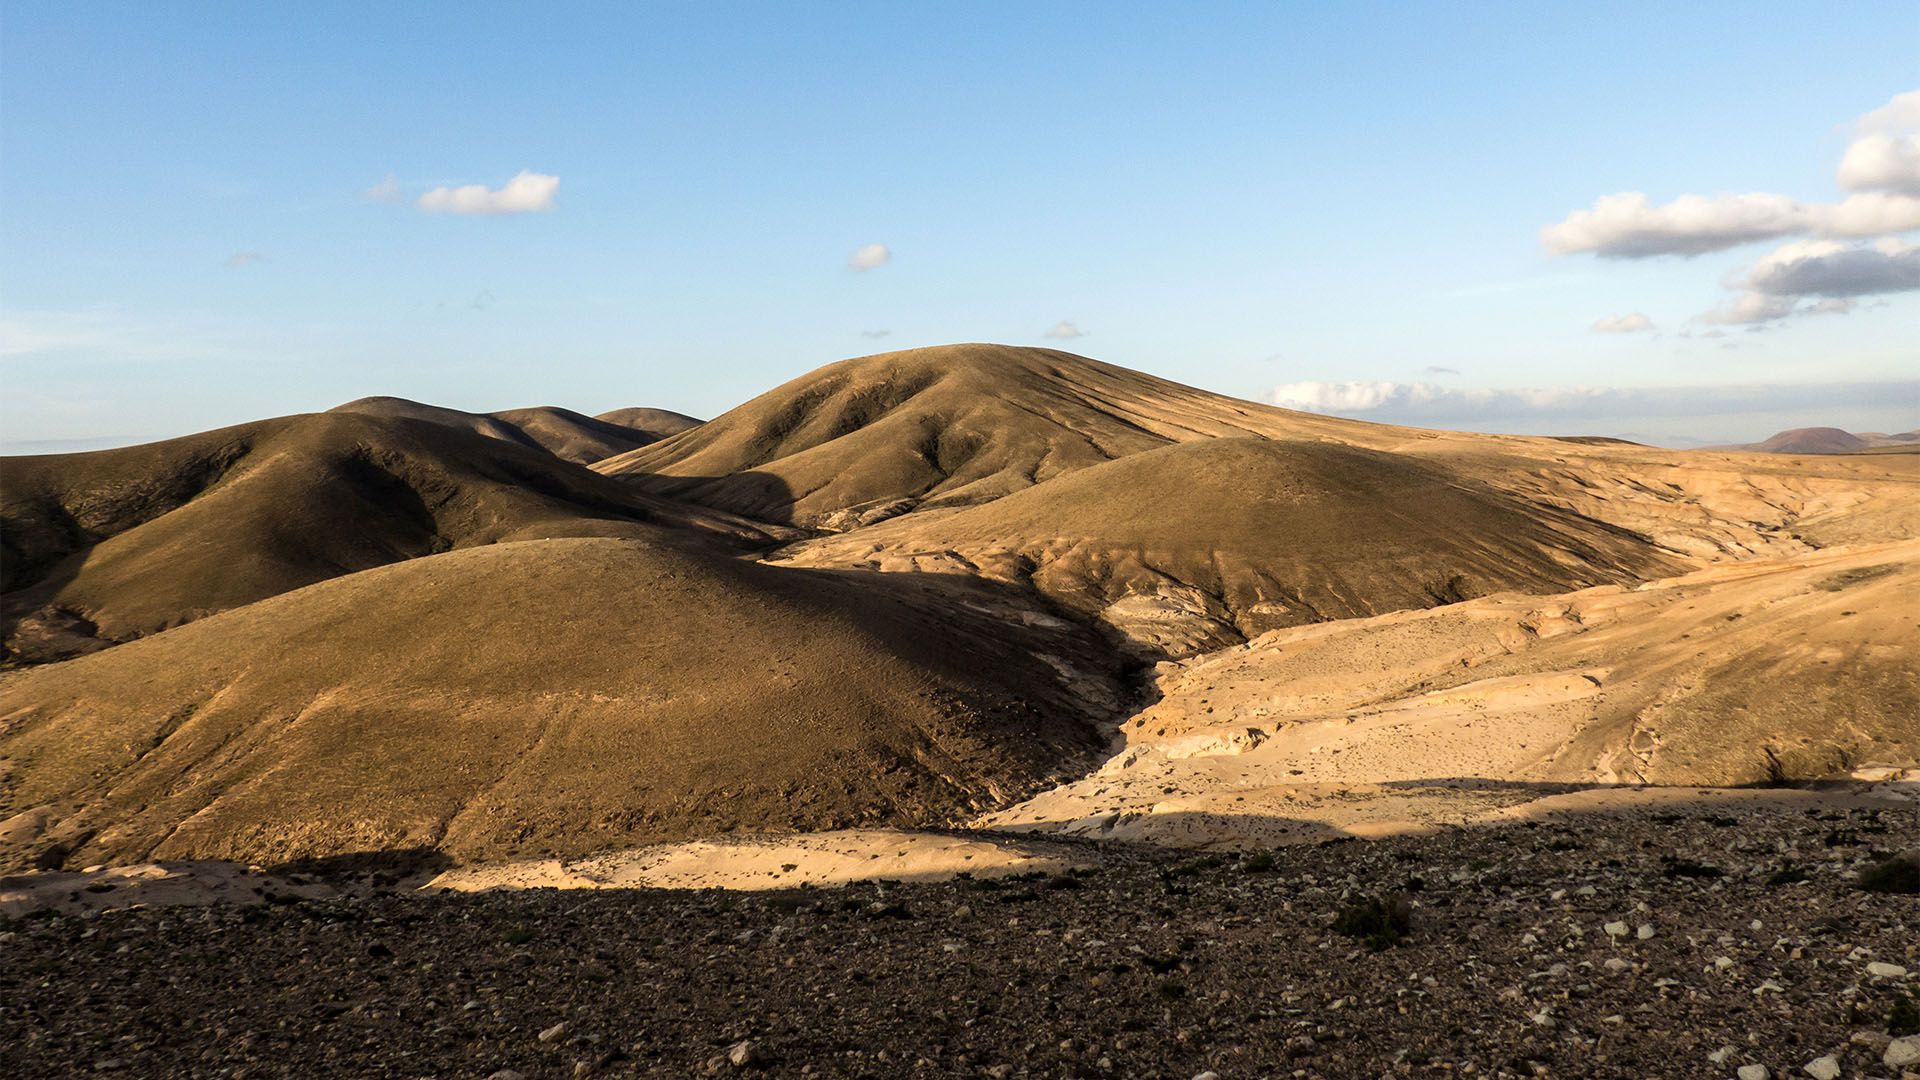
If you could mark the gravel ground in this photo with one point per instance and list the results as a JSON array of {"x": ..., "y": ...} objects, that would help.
[{"x": 1652, "y": 946}]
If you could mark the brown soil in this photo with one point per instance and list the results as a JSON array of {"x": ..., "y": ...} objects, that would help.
[{"x": 1524, "y": 957}]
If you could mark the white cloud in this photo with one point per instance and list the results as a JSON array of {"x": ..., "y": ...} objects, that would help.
[
  {"x": 527, "y": 192},
  {"x": 1436, "y": 369},
  {"x": 1627, "y": 226},
  {"x": 1623, "y": 324},
  {"x": 1833, "y": 305},
  {"x": 1900, "y": 114},
  {"x": 242, "y": 258},
  {"x": 875, "y": 333},
  {"x": 868, "y": 256},
  {"x": 1064, "y": 331},
  {"x": 1868, "y": 214},
  {"x": 386, "y": 191},
  {"x": 1882, "y": 162}
]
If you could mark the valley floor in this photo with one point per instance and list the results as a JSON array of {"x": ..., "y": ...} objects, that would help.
[{"x": 1675, "y": 942}]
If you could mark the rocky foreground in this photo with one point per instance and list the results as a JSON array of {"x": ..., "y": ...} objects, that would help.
[{"x": 1656, "y": 945}]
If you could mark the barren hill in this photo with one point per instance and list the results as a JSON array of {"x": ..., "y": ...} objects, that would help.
[
  {"x": 656, "y": 423},
  {"x": 561, "y": 432},
  {"x": 868, "y": 438},
  {"x": 106, "y": 546},
  {"x": 1195, "y": 545},
  {"x": 555, "y": 696}
]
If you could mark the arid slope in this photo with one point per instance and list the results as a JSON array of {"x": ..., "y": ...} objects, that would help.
[
  {"x": 561, "y": 432},
  {"x": 107, "y": 546},
  {"x": 1196, "y": 545},
  {"x": 548, "y": 696},
  {"x": 1793, "y": 669}
]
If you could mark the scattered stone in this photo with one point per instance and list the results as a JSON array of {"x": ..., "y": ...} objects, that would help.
[
  {"x": 1902, "y": 1052},
  {"x": 1881, "y": 970},
  {"x": 1615, "y": 929},
  {"x": 1753, "y": 1072},
  {"x": 508, "y": 1074},
  {"x": 1645, "y": 933},
  {"x": 1823, "y": 1068},
  {"x": 745, "y": 1054},
  {"x": 554, "y": 1033}
]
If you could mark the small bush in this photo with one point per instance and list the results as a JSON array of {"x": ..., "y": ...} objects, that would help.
[
  {"x": 1376, "y": 922},
  {"x": 1895, "y": 875},
  {"x": 1687, "y": 868},
  {"x": 1904, "y": 1018}
]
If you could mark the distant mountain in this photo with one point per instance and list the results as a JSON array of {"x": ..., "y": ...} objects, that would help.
[
  {"x": 1823, "y": 440},
  {"x": 561, "y": 432}
]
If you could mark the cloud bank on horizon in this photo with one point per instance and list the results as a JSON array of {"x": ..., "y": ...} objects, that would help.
[
  {"x": 1847, "y": 249},
  {"x": 1430, "y": 404}
]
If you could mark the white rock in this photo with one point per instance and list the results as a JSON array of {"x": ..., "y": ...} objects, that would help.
[
  {"x": 1752, "y": 1072},
  {"x": 1208, "y": 1075},
  {"x": 1645, "y": 932},
  {"x": 1823, "y": 1068},
  {"x": 1720, "y": 1056},
  {"x": 1614, "y": 963},
  {"x": 554, "y": 1032},
  {"x": 1615, "y": 929},
  {"x": 743, "y": 1053},
  {"x": 1902, "y": 1051},
  {"x": 508, "y": 1074},
  {"x": 1722, "y": 963},
  {"x": 1884, "y": 970}
]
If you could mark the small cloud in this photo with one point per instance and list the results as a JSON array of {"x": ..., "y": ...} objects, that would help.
[
  {"x": 242, "y": 258},
  {"x": 1882, "y": 162},
  {"x": 875, "y": 333},
  {"x": 867, "y": 256},
  {"x": 1750, "y": 308},
  {"x": 1623, "y": 324},
  {"x": 1064, "y": 331},
  {"x": 1900, "y": 114},
  {"x": 386, "y": 191},
  {"x": 527, "y": 192},
  {"x": 1436, "y": 369}
]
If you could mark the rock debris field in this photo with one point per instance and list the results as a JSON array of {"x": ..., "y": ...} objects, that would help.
[{"x": 1649, "y": 945}]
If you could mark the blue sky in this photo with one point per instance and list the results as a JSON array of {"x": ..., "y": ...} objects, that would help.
[{"x": 1337, "y": 206}]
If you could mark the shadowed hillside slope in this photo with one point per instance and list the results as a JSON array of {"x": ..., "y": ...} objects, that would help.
[
  {"x": 106, "y": 546},
  {"x": 561, "y": 432},
  {"x": 1195, "y": 545},
  {"x": 547, "y": 696},
  {"x": 869, "y": 438}
]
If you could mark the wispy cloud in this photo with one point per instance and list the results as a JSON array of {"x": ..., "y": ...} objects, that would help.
[
  {"x": 243, "y": 258},
  {"x": 875, "y": 333},
  {"x": 1064, "y": 331},
  {"x": 1623, "y": 324},
  {"x": 1436, "y": 369},
  {"x": 528, "y": 192},
  {"x": 867, "y": 256},
  {"x": 386, "y": 191}
]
